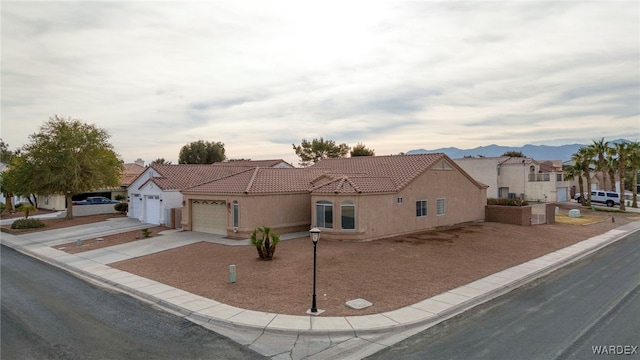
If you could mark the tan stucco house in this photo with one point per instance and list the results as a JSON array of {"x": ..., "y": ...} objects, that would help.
[
  {"x": 360, "y": 198},
  {"x": 154, "y": 192}
]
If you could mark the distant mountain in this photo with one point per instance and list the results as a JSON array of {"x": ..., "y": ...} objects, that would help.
[{"x": 538, "y": 152}]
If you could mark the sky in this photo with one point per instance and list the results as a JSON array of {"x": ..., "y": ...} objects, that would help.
[{"x": 260, "y": 76}]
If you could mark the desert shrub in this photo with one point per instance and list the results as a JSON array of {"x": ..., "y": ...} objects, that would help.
[
  {"x": 506, "y": 202},
  {"x": 27, "y": 224},
  {"x": 122, "y": 208},
  {"x": 119, "y": 197},
  {"x": 146, "y": 233}
]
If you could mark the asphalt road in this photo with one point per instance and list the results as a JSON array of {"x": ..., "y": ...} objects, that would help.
[
  {"x": 568, "y": 314},
  {"x": 48, "y": 313}
]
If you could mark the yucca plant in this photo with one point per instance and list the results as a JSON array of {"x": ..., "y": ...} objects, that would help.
[{"x": 265, "y": 242}]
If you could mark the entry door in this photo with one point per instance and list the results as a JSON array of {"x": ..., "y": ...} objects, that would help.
[{"x": 152, "y": 209}]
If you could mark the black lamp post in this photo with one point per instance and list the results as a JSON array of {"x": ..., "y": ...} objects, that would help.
[{"x": 315, "y": 236}]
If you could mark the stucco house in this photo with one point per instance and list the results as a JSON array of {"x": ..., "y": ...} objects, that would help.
[
  {"x": 156, "y": 191},
  {"x": 519, "y": 177},
  {"x": 360, "y": 198}
]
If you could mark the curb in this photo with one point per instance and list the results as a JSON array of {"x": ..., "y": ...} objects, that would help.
[{"x": 427, "y": 321}]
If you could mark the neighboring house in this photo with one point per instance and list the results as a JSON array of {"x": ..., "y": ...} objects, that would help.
[
  {"x": 519, "y": 177},
  {"x": 353, "y": 198},
  {"x": 276, "y": 163},
  {"x": 131, "y": 171},
  {"x": 156, "y": 191}
]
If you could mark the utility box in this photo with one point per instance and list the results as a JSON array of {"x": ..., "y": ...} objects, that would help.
[{"x": 232, "y": 274}]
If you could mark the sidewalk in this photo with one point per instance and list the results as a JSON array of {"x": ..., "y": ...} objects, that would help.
[{"x": 279, "y": 334}]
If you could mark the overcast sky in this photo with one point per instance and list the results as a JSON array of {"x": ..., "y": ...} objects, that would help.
[{"x": 261, "y": 75}]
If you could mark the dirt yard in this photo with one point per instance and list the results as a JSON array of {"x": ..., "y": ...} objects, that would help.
[{"x": 390, "y": 273}]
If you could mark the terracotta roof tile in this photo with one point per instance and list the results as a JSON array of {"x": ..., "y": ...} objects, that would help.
[
  {"x": 131, "y": 172},
  {"x": 182, "y": 176},
  {"x": 253, "y": 163}
]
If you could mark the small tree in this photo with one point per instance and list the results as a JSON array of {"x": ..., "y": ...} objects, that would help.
[
  {"x": 514, "y": 153},
  {"x": 202, "y": 152},
  {"x": 318, "y": 149},
  {"x": 160, "y": 161},
  {"x": 265, "y": 242},
  {"x": 361, "y": 150}
]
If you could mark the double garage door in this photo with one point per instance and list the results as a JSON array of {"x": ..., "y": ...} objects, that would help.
[{"x": 209, "y": 216}]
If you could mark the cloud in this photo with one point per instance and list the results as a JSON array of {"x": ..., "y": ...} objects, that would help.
[{"x": 259, "y": 76}]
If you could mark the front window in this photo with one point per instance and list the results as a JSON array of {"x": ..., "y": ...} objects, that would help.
[
  {"x": 324, "y": 214},
  {"x": 236, "y": 213},
  {"x": 421, "y": 208},
  {"x": 348, "y": 212},
  {"x": 440, "y": 207}
]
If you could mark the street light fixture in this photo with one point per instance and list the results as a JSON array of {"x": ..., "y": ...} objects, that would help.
[{"x": 315, "y": 236}]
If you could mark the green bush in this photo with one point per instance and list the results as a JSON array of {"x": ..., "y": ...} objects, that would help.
[
  {"x": 146, "y": 233},
  {"x": 122, "y": 208},
  {"x": 27, "y": 224},
  {"x": 506, "y": 202}
]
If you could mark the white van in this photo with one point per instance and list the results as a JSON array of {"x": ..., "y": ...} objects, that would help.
[{"x": 601, "y": 196}]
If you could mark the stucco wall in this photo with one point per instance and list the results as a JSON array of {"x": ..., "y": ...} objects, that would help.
[
  {"x": 484, "y": 170},
  {"x": 84, "y": 210},
  {"x": 380, "y": 215}
]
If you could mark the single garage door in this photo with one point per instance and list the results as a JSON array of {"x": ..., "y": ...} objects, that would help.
[
  {"x": 152, "y": 209},
  {"x": 209, "y": 216},
  {"x": 134, "y": 206}
]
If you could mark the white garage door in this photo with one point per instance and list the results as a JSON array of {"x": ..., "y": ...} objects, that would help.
[
  {"x": 134, "y": 206},
  {"x": 209, "y": 216},
  {"x": 152, "y": 209}
]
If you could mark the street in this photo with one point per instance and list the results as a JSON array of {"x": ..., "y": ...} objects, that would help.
[
  {"x": 48, "y": 313},
  {"x": 590, "y": 309}
]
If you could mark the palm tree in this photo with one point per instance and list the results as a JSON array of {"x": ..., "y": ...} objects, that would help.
[
  {"x": 577, "y": 170},
  {"x": 633, "y": 159},
  {"x": 585, "y": 156},
  {"x": 621, "y": 149},
  {"x": 265, "y": 242},
  {"x": 600, "y": 149},
  {"x": 612, "y": 167}
]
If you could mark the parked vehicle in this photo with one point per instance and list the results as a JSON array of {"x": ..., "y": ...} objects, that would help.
[
  {"x": 609, "y": 198},
  {"x": 95, "y": 200}
]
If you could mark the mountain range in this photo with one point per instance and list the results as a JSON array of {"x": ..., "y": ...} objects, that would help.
[{"x": 538, "y": 152}]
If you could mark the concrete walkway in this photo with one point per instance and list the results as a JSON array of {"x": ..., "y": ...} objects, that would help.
[{"x": 284, "y": 336}]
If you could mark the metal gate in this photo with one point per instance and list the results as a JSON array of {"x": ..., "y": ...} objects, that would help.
[{"x": 538, "y": 214}]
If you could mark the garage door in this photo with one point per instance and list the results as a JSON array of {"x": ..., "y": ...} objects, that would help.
[
  {"x": 134, "y": 206},
  {"x": 152, "y": 209},
  {"x": 209, "y": 216}
]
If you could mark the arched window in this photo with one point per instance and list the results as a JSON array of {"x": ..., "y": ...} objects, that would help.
[
  {"x": 236, "y": 213},
  {"x": 324, "y": 214},
  {"x": 348, "y": 216}
]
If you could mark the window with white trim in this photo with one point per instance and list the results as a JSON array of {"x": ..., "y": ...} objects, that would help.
[
  {"x": 440, "y": 206},
  {"x": 324, "y": 214},
  {"x": 421, "y": 208}
]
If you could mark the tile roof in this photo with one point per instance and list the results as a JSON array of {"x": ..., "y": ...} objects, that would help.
[
  {"x": 182, "y": 176},
  {"x": 131, "y": 172},
  {"x": 517, "y": 161},
  {"x": 399, "y": 169},
  {"x": 374, "y": 174},
  {"x": 252, "y": 163},
  {"x": 261, "y": 180}
]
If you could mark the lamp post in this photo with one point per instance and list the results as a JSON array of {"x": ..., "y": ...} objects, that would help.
[{"x": 315, "y": 236}]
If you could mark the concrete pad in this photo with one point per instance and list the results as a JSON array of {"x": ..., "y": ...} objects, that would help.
[
  {"x": 108, "y": 258},
  {"x": 139, "y": 283},
  {"x": 370, "y": 322},
  {"x": 306, "y": 346},
  {"x": 131, "y": 278},
  {"x": 181, "y": 299},
  {"x": 432, "y": 306},
  {"x": 293, "y": 322},
  {"x": 408, "y": 315},
  {"x": 103, "y": 270},
  {"x": 116, "y": 276},
  {"x": 221, "y": 312},
  {"x": 354, "y": 348},
  {"x": 172, "y": 293},
  {"x": 252, "y": 318},
  {"x": 330, "y": 324},
  {"x": 451, "y": 298},
  {"x": 358, "y": 304}
]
